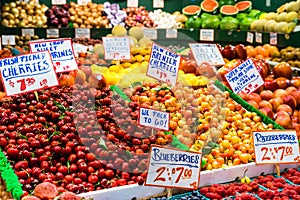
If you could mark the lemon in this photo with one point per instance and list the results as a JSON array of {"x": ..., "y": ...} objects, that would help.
[
  {"x": 139, "y": 58},
  {"x": 126, "y": 64},
  {"x": 112, "y": 78},
  {"x": 143, "y": 51},
  {"x": 115, "y": 68}
]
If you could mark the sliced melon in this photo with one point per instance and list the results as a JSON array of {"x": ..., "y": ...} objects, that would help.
[
  {"x": 244, "y": 6},
  {"x": 229, "y": 10},
  {"x": 191, "y": 10},
  {"x": 209, "y": 5}
]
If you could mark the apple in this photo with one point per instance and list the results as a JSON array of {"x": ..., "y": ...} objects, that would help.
[
  {"x": 266, "y": 95},
  {"x": 283, "y": 69},
  {"x": 283, "y": 82},
  {"x": 296, "y": 81},
  {"x": 97, "y": 81},
  {"x": 296, "y": 95},
  {"x": 228, "y": 52},
  {"x": 240, "y": 51},
  {"x": 270, "y": 84}
]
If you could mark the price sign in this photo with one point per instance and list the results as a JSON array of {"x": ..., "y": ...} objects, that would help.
[
  {"x": 79, "y": 48},
  {"x": 82, "y": 33},
  {"x": 132, "y": 3},
  {"x": 173, "y": 168},
  {"x": 250, "y": 37},
  {"x": 61, "y": 51},
  {"x": 150, "y": 33},
  {"x": 207, "y": 34},
  {"x": 27, "y": 72},
  {"x": 171, "y": 33},
  {"x": 116, "y": 48},
  {"x": 258, "y": 37},
  {"x": 276, "y": 147},
  {"x": 158, "y": 3},
  {"x": 208, "y": 53},
  {"x": 244, "y": 78},
  {"x": 58, "y": 2},
  {"x": 83, "y": 2},
  {"x": 52, "y": 33},
  {"x": 8, "y": 39},
  {"x": 163, "y": 65},
  {"x": 273, "y": 38},
  {"x": 154, "y": 118},
  {"x": 28, "y": 31}
]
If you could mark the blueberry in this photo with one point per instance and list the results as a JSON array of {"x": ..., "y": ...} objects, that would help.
[
  {"x": 163, "y": 198},
  {"x": 194, "y": 193}
]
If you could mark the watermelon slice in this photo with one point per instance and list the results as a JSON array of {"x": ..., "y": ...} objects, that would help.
[
  {"x": 229, "y": 10},
  {"x": 244, "y": 6},
  {"x": 191, "y": 10},
  {"x": 209, "y": 5}
]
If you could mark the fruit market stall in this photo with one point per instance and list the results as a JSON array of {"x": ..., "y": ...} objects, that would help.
[{"x": 107, "y": 101}]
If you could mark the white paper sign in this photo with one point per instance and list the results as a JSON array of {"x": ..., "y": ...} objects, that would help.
[
  {"x": 61, "y": 51},
  {"x": 250, "y": 37},
  {"x": 8, "y": 39},
  {"x": 275, "y": 147},
  {"x": 173, "y": 168},
  {"x": 28, "y": 72},
  {"x": 208, "y": 53},
  {"x": 52, "y": 33},
  {"x": 171, "y": 33},
  {"x": 79, "y": 48},
  {"x": 82, "y": 33},
  {"x": 83, "y": 2},
  {"x": 258, "y": 37},
  {"x": 150, "y": 33},
  {"x": 273, "y": 38},
  {"x": 244, "y": 78},
  {"x": 207, "y": 34},
  {"x": 154, "y": 118},
  {"x": 28, "y": 31},
  {"x": 158, "y": 3},
  {"x": 116, "y": 48},
  {"x": 132, "y": 3},
  {"x": 58, "y": 2},
  {"x": 163, "y": 65}
]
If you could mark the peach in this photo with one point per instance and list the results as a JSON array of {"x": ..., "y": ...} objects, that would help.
[
  {"x": 285, "y": 122},
  {"x": 265, "y": 104},
  {"x": 244, "y": 96},
  {"x": 296, "y": 81},
  {"x": 290, "y": 100},
  {"x": 285, "y": 108},
  {"x": 279, "y": 93},
  {"x": 290, "y": 89},
  {"x": 283, "y": 82},
  {"x": 281, "y": 114},
  {"x": 296, "y": 95},
  {"x": 268, "y": 112},
  {"x": 253, "y": 103},
  {"x": 275, "y": 102},
  {"x": 255, "y": 97},
  {"x": 266, "y": 95}
]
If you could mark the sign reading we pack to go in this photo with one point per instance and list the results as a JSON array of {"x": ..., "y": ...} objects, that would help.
[
  {"x": 61, "y": 52},
  {"x": 173, "y": 168},
  {"x": 274, "y": 147},
  {"x": 154, "y": 118},
  {"x": 27, "y": 72}
]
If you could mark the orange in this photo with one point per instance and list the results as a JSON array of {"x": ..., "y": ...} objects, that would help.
[
  {"x": 262, "y": 51},
  {"x": 173, "y": 125},
  {"x": 250, "y": 51}
]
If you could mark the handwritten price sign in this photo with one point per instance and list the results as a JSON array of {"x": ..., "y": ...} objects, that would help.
[
  {"x": 276, "y": 147},
  {"x": 61, "y": 51},
  {"x": 28, "y": 72},
  {"x": 173, "y": 168},
  {"x": 244, "y": 78},
  {"x": 207, "y": 53},
  {"x": 163, "y": 65},
  {"x": 154, "y": 118},
  {"x": 116, "y": 48}
]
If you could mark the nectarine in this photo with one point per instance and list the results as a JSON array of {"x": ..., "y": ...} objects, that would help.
[{"x": 266, "y": 95}]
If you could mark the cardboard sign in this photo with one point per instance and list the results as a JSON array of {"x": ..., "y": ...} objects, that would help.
[
  {"x": 163, "y": 65},
  {"x": 58, "y": 2},
  {"x": 250, "y": 37},
  {"x": 258, "y": 37},
  {"x": 244, "y": 78},
  {"x": 158, "y": 3},
  {"x": 132, "y": 3},
  {"x": 207, "y": 34},
  {"x": 208, "y": 53},
  {"x": 150, "y": 33},
  {"x": 52, "y": 33},
  {"x": 61, "y": 51},
  {"x": 8, "y": 39},
  {"x": 173, "y": 168},
  {"x": 116, "y": 48},
  {"x": 154, "y": 118},
  {"x": 273, "y": 38},
  {"x": 171, "y": 33},
  {"x": 82, "y": 33},
  {"x": 274, "y": 147},
  {"x": 79, "y": 48},
  {"x": 83, "y": 2},
  {"x": 28, "y": 31},
  {"x": 28, "y": 72}
]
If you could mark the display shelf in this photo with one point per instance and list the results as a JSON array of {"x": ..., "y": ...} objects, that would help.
[
  {"x": 184, "y": 36},
  {"x": 206, "y": 178}
]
